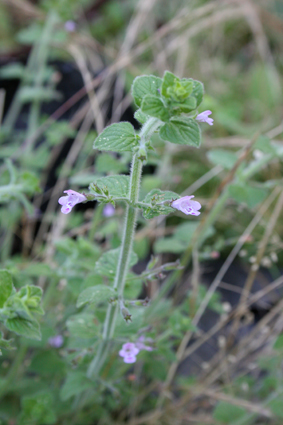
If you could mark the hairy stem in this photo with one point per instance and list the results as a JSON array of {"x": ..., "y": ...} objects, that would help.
[{"x": 125, "y": 252}]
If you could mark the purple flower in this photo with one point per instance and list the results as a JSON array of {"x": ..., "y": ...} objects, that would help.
[
  {"x": 56, "y": 341},
  {"x": 108, "y": 210},
  {"x": 140, "y": 343},
  {"x": 70, "y": 26},
  {"x": 68, "y": 202},
  {"x": 129, "y": 352},
  {"x": 186, "y": 205},
  {"x": 203, "y": 117}
]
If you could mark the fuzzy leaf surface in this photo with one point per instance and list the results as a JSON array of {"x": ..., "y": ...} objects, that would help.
[
  {"x": 95, "y": 295},
  {"x": 153, "y": 106},
  {"x": 6, "y": 286},
  {"x": 118, "y": 137},
  {"x": 182, "y": 131},
  {"x": 145, "y": 85}
]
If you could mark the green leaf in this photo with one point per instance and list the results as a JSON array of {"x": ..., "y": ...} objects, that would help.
[
  {"x": 118, "y": 186},
  {"x": 38, "y": 409},
  {"x": 144, "y": 85},
  {"x": 83, "y": 325},
  {"x": 6, "y": 286},
  {"x": 12, "y": 71},
  {"x": 198, "y": 91},
  {"x": 6, "y": 343},
  {"x": 29, "y": 94},
  {"x": 95, "y": 295},
  {"x": 28, "y": 328},
  {"x": 140, "y": 116},
  {"x": 168, "y": 82},
  {"x": 75, "y": 383},
  {"x": 153, "y": 106},
  {"x": 119, "y": 137},
  {"x": 107, "y": 162},
  {"x": 224, "y": 411},
  {"x": 276, "y": 406},
  {"x": 107, "y": 263},
  {"x": 222, "y": 157},
  {"x": 182, "y": 131},
  {"x": 169, "y": 245},
  {"x": 156, "y": 196},
  {"x": 243, "y": 193},
  {"x": 187, "y": 106}
]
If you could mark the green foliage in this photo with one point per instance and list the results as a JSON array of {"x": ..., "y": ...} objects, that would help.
[
  {"x": 95, "y": 295},
  {"x": 181, "y": 131},
  {"x": 159, "y": 202},
  {"x": 38, "y": 409},
  {"x": 84, "y": 325},
  {"x": 75, "y": 383},
  {"x": 6, "y": 286},
  {"x": 244, "y": 193},
  {"x": 110, "y": 187},
  {"x": 119, "y": 137},
  {"x": 224, "y": 411},
  {"x": 144, "y": 86},
  {"x": 107, "y": 263},
  {"x": 222, "y": 157}
]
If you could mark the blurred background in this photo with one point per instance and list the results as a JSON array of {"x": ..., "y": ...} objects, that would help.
[{"x": 66, "y": 69}]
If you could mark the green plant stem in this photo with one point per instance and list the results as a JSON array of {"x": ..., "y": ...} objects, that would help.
[{"x": 126, "y": 247}]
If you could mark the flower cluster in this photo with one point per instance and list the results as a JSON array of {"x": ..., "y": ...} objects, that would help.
[{"x": 131, "y": 349}]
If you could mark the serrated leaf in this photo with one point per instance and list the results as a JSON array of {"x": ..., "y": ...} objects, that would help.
[
  {"x": 28, "y": 328},
  {"x": 182, "y": 131},
  {"x": 95, "y": 295},
  {"x": 75, "y": 383},
  {"x": 140, "y": 116},
  {"x": 118, "y": 186},
  {"x": 187, "y": 106},
  {"x": 169, "y": 80},
  {"x": 144, "y": 85},
  {"x": 83, "y": 325},
  {"x": 153, "y": 106},
  {"x": 6, "y": 286},
  {"x": 107, "y": 263},
  {"x": 118, "y": 137}
]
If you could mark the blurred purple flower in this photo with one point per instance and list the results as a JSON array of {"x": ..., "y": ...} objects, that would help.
[
  {"x": 203, "y": 117},
  {"x": 70, "y": 26},
  {"x": 140, "y": 343},
  {"x": 56, "y": 341},
  {"x": 129, "y": 352},
  {"x": 108, "y": 210},
  {"x": 68, "y": 202},
  {"x": 186, "y": 205}
]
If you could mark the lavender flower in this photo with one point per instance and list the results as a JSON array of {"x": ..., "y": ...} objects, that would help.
[
  {"x": 129, "y": 352},
  {"x": 186, "y": 205},
  {"x": 70, "y": 26},
  {"x": 203, "y": 117},
  {"x": 56, "y": 341},
  {"x": 68, "y": 202},
  {"x": 108, "y": 210},
  {"x": 140, "y": 343}
]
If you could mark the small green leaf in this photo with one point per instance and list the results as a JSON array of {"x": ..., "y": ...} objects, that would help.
[
  {"x": 153, "y": 106},
  {"x": 75, "y": 383},
  {"x": 156, "y": 196},
  {"x": 198, "y": 91},
  {"x": 6, "y": 343},
  {"x": 187, "y": 106},
  {"x": 244, "y": 193},
  {"x": 83, "y": 325},
  {"x": 182, "y": 131},
  {"x": 118, "y": 186},
  {"x": 144, "y": 85},
  {"x": 95, "y": 295},
  {"x": 107, "y": 263},
  {"x": 30, "y": 94},
  {"x": 106, "y": 162},
  {"x": 168, "y": 82},
  {"x": 169, "y": 244},
  {"x": 38, "y": 409},
  {"x": 6, "y": 286},
  {"x": 28, "y": 328},
  {"x": 119, "y": 137},
  {"x": 140, "y": 116},
  {"x": 224, "y": 411},
  {"x": 226, "y": 159}
]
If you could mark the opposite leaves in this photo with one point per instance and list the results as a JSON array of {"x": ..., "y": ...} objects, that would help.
[{"x": 120, "y": 137}]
